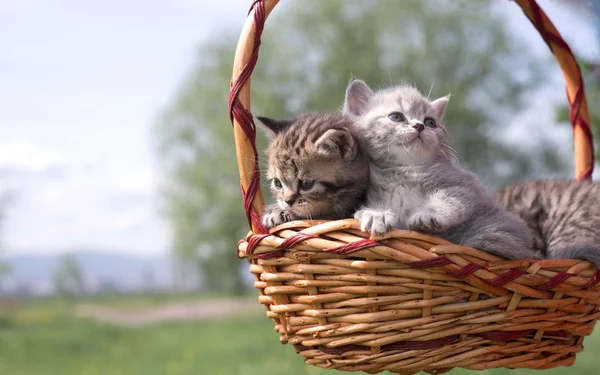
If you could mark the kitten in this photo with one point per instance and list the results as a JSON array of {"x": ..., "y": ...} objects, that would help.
[
  {"x": 317, "y": 168},
  {"x": 562, "y": 215},
  {"x": 413, "y": 183}
]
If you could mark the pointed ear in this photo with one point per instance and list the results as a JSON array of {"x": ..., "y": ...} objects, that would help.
[
  {"x": 439, "y": 105},
  {"x": 337, "y": 142},
  {"x": 358, "y": 95},
  {"x": 272, "y": 127}
]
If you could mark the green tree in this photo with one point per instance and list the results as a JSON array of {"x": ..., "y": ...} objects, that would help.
[
  {"x": 5, "y": 270},
  {"x": 309, "y": 52},
  {"x": 5, "y": 267},
  {"x": 68, "y": 277}
]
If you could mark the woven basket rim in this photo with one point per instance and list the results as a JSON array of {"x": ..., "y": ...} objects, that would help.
[{"x": 392, "y": 303}]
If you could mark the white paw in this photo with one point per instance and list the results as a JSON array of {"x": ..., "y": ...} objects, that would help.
[
  {"x": 427, "y": 222},
  {"x": 375, "y": 222},
  {"x": 274, "y": 217}
]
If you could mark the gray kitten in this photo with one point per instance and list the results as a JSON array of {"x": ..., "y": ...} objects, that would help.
[
  {"x": 562, "y": 215},
  {"x": 413, "y": 183},
  {"x": 317, "y": 167}
]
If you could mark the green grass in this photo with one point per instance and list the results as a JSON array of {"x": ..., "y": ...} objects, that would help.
[
  {"x": 122, "y": 301},
  {"x": 49, "y": 341}
]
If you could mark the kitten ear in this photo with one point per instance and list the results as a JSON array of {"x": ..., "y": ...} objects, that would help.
[
  {"x": 439, "y": 105},
  {"x": 358, "y": 95},
  {"x": 337, "y": 142},
  {"x": 272, "y": 127}
]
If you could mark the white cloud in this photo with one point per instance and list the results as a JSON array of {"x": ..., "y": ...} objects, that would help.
[{"x": 22, "y": 154}]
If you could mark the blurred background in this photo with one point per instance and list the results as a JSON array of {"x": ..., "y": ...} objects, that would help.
[{"x": 119, "y": 193}]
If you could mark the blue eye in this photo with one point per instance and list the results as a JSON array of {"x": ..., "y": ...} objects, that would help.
[
  {"x": 397, "y": 117},
  {"x": 277, "y": 183},
  {"x": 429, "y": 122}
]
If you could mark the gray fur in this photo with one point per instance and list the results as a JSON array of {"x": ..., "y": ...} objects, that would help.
[
  {"x": 322, "y": 147},
  {"x": 413, "y": 183},
  {"x": 563, "y": 216}
]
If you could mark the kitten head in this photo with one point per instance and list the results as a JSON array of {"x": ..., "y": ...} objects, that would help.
[
  {"x": 400, "y": 125},
  {"x": 317, "y": 167}
]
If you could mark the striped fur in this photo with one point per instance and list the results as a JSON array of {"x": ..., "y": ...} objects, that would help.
[
  {"x": 319, "y": 148},
  {"x": 563, "y": 216}
]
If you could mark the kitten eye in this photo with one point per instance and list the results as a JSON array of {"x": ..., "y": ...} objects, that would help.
[
  {"x": 397, "y": 117},
  {"x": 429, "y": 122},
  {"x": 277, "y": 183},
  {"x": 307, "y": 184}
]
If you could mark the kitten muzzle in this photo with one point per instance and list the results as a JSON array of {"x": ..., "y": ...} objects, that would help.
[
  {"x": 291, "y": 199},
  {"x": 419, "y": 126}
]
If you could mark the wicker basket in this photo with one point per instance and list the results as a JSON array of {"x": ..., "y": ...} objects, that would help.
[{"x": 408, "y": 302}]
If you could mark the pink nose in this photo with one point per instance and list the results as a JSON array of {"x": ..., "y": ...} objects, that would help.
[{"x": 420, "y": 127}]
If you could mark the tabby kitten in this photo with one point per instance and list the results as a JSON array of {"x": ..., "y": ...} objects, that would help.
[
  {"x": 317, "y": 168},
  {"x": 563, "y": 216},
  {"x": 413, "y": 183}
]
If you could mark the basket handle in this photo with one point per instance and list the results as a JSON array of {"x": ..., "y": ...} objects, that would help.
[
  {"x": 580, "y": 117},
  {"x": 246, "y": 57}
]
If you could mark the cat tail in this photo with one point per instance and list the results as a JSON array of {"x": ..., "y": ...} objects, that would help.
[{"x": 586, "y": 251}]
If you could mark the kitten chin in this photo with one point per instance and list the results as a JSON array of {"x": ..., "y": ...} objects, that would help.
[{"x": 317, "y": 167}]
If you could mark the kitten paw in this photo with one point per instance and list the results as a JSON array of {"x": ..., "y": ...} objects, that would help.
[
  {"x": 374, "y": 221},
  {"x": 426, "y": 222},
  {"x": 274, "y": 217}
]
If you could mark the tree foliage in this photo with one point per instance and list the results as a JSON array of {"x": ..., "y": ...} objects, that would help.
[
  {"x": 68, "y": 277},
  {"x": 309, "y": 52}
]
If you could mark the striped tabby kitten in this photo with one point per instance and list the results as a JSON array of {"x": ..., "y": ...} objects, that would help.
[
  {"x": 317, "y": 167},
  {"x": 562, "y": 215},
  {"x": 414, "y": 184}
]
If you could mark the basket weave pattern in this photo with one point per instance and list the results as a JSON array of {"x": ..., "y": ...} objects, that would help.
[{"x": 408, "y": 301}]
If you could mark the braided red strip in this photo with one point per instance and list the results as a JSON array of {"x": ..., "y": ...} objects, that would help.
[
  {"x": 253, "y": 242},
  {"x": 555, "y": 281},
  {"x": 507, "y": 277},
  {"x": 505, "y": 335},
  {"x": 271, "y": 254},
  {"x": 295, "y": 239},
  {"x": 593, "y": 281},
  {"x": 576, "y": 120},
  {"x": 557, "y": 333},
  {"x": 430, "y": 263},
  {"x": 353, "y": 246},
  {"x": 421, "y": 345},
  {"x": 399, "y": 346},
  {"x": 466, "y": 270},
  {"x": 244, "y": 117}
]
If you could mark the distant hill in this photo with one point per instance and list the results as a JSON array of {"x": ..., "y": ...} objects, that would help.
[{"x": 128, "y": 272}]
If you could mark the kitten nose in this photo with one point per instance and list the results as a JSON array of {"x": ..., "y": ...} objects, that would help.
[
  {"x": 419, "y": 126},
  {"x": 290, "y": 200}
]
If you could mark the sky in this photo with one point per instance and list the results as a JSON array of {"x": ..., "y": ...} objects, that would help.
[{"x": 82, "y": 84}]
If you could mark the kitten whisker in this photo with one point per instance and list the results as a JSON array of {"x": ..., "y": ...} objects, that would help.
[
  {"x": 403, "y": 145},
  {"x": 453, "y": 152},
  {"x": 442, "y": 151},
  {"x": 261, "y": 162}
]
